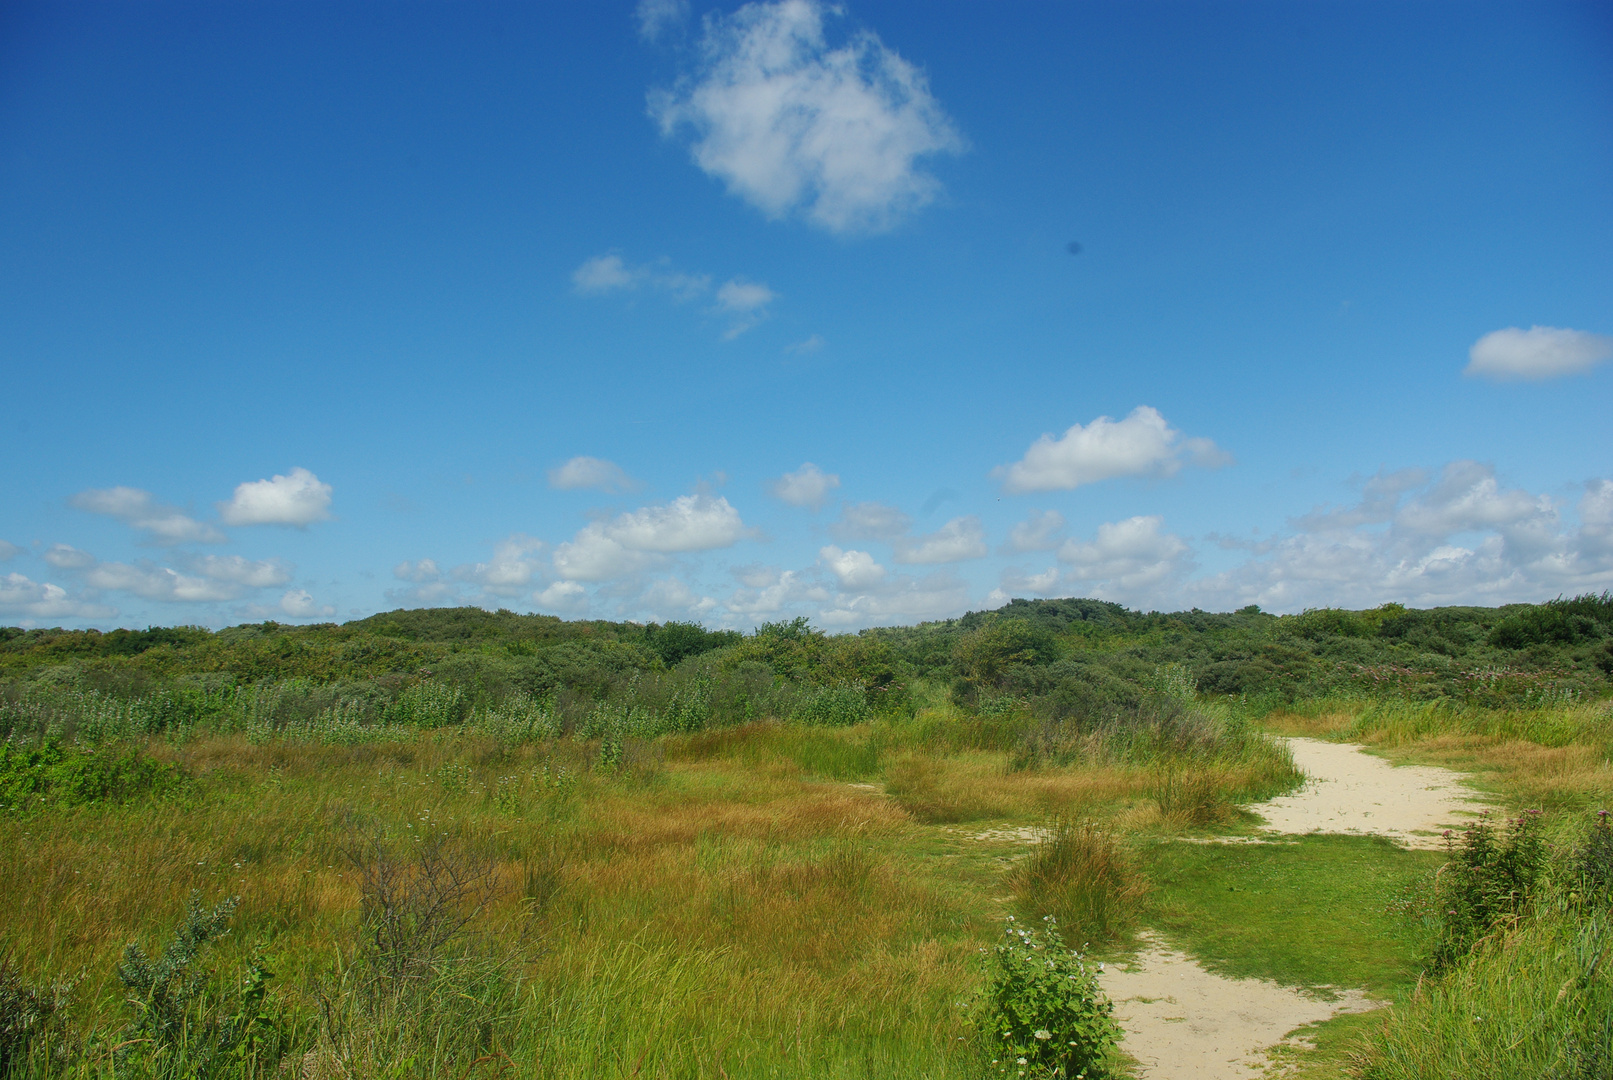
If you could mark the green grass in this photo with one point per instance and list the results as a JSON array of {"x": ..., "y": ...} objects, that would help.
[{"x": 1317, "y": 912}]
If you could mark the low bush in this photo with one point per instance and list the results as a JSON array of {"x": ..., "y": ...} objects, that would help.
[
  {"x": 1487, "y": 884},
  {"x": 57, "y": 776},
  {"x": 1042, "y": 1013}
]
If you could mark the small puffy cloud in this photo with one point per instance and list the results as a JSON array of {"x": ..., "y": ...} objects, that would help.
[
  {"x": 1540, "y": 352},
  {"x": 808, "y": 486},
  {"x": 745, "y": 302},
  {"x": 635, "y": 541},
  {"x": 790, "y": 124},
  {"x": 421, "y": 572},
  {"x": 66, "y": 557},
  {"x": 603, "y": 274},
  {"x": 853, "y": 569},
  {"x": 656, "y": 17},
  {"x": 300, "y": 604},
  {"x": 590, "y": 472},
  {"x": 509, "y": 571},
  {"x": 8, "y": 551},
  {"x": 1016, "y": 583},
  {"x": 162, "y": 524},
  {"x": 1133, "y": 558},
  {"x": 810, "y": 344},
  {"x": 959, "y": 539},
  {"x": 254, "y": 574},
  {"x": 1142, "y": 444},
  {"x": 297, "y": 499},
  {"x": 870, "y": 521},
  {"x": 562, "y": 598},
  {"x": 20, "y": 595},
  {"x": 1041, "y": 531}
]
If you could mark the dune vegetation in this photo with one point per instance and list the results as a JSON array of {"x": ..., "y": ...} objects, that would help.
[{"x": 457, "y": 843}]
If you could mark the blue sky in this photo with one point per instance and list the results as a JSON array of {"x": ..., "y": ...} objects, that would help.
[{"x": 673, "y": 311}]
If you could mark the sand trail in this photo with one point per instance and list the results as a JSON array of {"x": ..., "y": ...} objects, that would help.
[
  {"x": 1349, "y": 791},
  {"x": 1184, "y": 1023}
]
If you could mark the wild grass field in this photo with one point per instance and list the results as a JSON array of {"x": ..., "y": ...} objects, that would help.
[{"x": 458, "y": 843}]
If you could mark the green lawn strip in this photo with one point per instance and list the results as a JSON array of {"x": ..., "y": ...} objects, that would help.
[{"x": 1317, "y": 912}]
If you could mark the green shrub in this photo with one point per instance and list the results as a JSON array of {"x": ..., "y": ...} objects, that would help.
[
  {"x": 28, "y": 1011},
  {"x": 53, "y": 775},
  {"x": 1079, "y": 874},
  {"x": 1487, "y": 884},
  {"x": 1042, "y": 1013}
]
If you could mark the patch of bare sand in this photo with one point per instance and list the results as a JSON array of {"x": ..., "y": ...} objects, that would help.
[
  {"x": 1185, "y": 1023},
  {"x": 1349, "y": 791}
]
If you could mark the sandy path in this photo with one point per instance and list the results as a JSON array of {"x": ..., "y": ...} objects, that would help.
[
  {"x": 1353, "y": 792},
  {"x": 1183, "y": 1022}
]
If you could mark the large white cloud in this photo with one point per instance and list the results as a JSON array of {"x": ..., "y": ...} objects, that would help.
[
  {"x": 897, "y": 599},
  {"x": 160, "y": 583},
  {"x": 590, "y": 472},
  {"x": 562, "y": 598},
  {"x": 1142, "y": 444},
  {"x": 1540, "y": 352},
  {"x": 635, "y": 541},
  {"x": 252, "y": 573},
  {"x": 162, "y": 524},
  {"x": 959, "y": 539},
  {"x": 20, "y": 595},
  {"x": 298, "y": 498},
  {"x": 808, "y": 486},
  {"x": 789, "y": 123},
  {"x": 300, "y": 604}
]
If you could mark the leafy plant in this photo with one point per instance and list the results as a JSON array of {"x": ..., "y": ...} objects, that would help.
[
  {"x": 1042, "y": 1013},
  {"x": 1488, "y": 881},
  {"x": 27, "y": 1010}
]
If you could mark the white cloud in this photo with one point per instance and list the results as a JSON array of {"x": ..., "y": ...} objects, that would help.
[
  {"x": 808, "y": 486},
  {"x": 769, "y": 592},
  {"x": 745, "y": 302},
  {"x": 590, "y": 472},
  {"x": 603, "y": 274},
  {"x": 159, "y": 583},
  {"x": 300, "y": 604},
  {"x": 422, "y": 572},
  {"x": 791, "y": 124},
  {"x": 296, "y": 499},
  {"x": 635, "y": 541},
  {"x": 164, "y": 524},
  {"x": 959, "y": 539},
  {"x": 656, "y": 17},
  {"x": 870, "y": 521},
  {"x": 1017, "y": 583},
  {"x": 1041, "y": 531},
  {"x": 854, "y": 569},
  {"x": 254, "y": 574},
  {"x": 1457, "y": 538},
  {"x": 1540, "y": 352},
  {"x": 509, "y": 571},
  {"x": 426, "y": 594},
  {"x": 810, "y": 344},
  {"x": 66, "y": 557},
  {"x": 8, "y": 551},
  {"x": 901, "y": 599},
  {"x": 562, "y": 598},
  {"x": 1131, "y": 559},
  {"x": 669, "y": 598},
  {"x": 20, "y": 595},
  {"x": 1142, "y": 444}
]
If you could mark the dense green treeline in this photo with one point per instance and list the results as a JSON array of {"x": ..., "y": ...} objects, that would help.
[{"x": 1055, "y": 658}]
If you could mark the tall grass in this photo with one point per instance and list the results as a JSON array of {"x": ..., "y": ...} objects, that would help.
[{"x": 1079, "y": 873}]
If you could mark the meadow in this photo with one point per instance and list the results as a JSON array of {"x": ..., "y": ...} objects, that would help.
[{"x": 465, "y": 843}]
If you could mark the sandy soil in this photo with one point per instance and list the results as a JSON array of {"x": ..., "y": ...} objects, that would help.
[
  {"x": 1185, "y": 1023},
  {"x": 1353, "y": 792}
]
